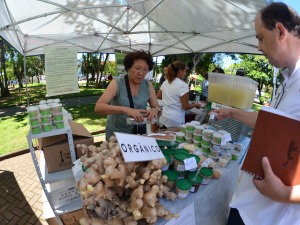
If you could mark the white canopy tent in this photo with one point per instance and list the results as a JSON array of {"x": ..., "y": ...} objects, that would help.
[{"x": 162, "y": 27}]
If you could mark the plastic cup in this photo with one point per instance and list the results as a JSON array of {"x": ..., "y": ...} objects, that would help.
[
  {"x": 56, "y": 108},
  {"x": 34, "y": 121},
  {"x": 47, "y": 126},
  {"x": 35, "y": 129},
  {"x": 217, "y": 137},
  {"x": 49, "y": 101},
  {"x": 58, "y": 116},
  {"x": 205, "y": 141},
  {"x": 43, "y": 102},
  {"x": 180, "y": 136},
  {"x": 46, "y": 119},
  {"x": 190, "y": 127},
  {"x": 45, "y": 110},
  {"x": 207, "y": 133},
  {"x": 33, "y": 111},
  {"x": 197, "y": 137},
  {"x": 199, "y": 130},
  {"x": 59, "y": 124},
  {"x": 183, "y": 128},
  {"x": 57, "y": 100}
]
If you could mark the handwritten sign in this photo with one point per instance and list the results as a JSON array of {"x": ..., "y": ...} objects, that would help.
[
  {"x": 186, "y": 217},
  {"x": 190, "y": 163},
  {"x": 136, "y": 148},
  {"x": 225, "y": 138}
]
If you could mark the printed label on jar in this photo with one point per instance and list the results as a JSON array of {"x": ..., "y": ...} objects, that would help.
[
  {"x": 182, "y": 195},
  {"x": 192, "y": 189},
  {"x": 180, "y": 168},
  {"x": 164, "y": 168}
]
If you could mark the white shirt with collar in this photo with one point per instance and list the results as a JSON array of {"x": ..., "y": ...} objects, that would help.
[{"x": 254, "y": 208}]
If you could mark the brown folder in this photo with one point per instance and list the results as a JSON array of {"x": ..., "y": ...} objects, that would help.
[{"x": 278, "y": 138}]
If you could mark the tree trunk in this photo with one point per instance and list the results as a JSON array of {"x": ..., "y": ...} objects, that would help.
[
  {"x": 4, "y": 88},
  {"x": 98, "y": 70},
  {"x": 87, "y": 69}
]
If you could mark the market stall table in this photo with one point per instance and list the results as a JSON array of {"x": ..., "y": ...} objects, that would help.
[{"x": 212, "y": 200}]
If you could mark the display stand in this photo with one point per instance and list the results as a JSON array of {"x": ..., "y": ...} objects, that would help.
[{"x": 42, "y": 171}]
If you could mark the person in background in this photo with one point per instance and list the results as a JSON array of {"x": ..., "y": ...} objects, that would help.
[
  {"x": 175, "y": 96},
  {"x": 115, "y": 101},
  {"x": 204, "y": 90},
  {"x": 163, "y": 76},
  {"x": 270, "y": 201},
  {"x": 218, "y": 70}
]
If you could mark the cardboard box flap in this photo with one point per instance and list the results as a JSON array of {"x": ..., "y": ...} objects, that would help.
[
  {"x": 79, "y": 130},
  {"x": 47, "y": 141}
]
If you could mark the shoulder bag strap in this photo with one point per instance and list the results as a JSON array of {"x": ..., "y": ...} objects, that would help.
[{"x": 130, "y": 99}]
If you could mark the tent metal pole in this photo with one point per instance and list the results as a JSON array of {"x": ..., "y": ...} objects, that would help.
[{"x": 26, "y": 80}]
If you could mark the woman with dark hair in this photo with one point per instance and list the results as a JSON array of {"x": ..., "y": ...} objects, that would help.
[
  {"x": 204, "y": 90},
  {"x": 127, "y": 96},
  {"x": 175, "y": 96}
]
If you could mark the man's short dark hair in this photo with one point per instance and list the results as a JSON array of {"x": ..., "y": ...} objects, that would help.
[
  {"x": 280, "y": 12},
  {"x": 218, "y": 70},
  {"x": 240, "y": 72}
]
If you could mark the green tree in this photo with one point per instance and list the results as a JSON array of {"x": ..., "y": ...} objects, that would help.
[
  {"x": 3, "y": 81},
  {"x": 35, "y": 66},
  {"x": 17, "y": 64}
]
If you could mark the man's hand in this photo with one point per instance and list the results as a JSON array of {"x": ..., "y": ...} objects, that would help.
[
  {"x": 271, "y": 186},
  {"x": 222, "y": 113}
]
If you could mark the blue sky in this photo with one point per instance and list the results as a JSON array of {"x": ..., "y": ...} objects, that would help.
[{"x": 295, "y": 4}]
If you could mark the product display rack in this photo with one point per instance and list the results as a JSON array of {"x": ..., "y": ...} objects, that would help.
[{"x": 42, "y": 171}]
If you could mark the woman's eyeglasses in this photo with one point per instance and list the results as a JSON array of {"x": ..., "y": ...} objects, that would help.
[{"x": 139, "y": 70}]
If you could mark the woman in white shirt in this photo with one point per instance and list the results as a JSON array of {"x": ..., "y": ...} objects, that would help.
[{"x": 175, "y": 96}]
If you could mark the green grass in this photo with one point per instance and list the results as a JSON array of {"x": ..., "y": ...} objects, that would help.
[
  {"x": 256, "y": 107},
  {"x": 16, "y": 127},
  {"x": 37, "y": 92}
]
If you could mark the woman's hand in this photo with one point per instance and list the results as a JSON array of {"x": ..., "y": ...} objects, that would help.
[
  {"x": 152, "y": 113},
  {"x": 271, "y": 186},
  {"x": 136, "y": 114}
]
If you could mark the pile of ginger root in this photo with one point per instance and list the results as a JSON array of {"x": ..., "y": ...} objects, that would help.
[{"x": 119, "y": 193}]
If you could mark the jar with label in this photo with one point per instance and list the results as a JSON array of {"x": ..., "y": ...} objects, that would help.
[
  {"x": 206, "y": 174},
  {"x": 205, "y": 141},
  {"x": 47, "y": 126},
  {"x": 170, "y": 152},
  {"x": 180, "y": 137},
  {"x": 58, "y": 116},
  {"x": 57, "y": 108},
  {"x": 217, "y": 138},
  {"x": 166, "y": 166},
  {"x": 181, "y": 174},
  {"x": 196, "y": 181},
  {"x": 197, "y": 137},
  {"x": 216, "y": 146},
  {"x": 207, "y": 133},
  {"x": 46, "y": 119},
  {"x": 190, "y": 127},
  {"x": 189, "y": 140},
  {"x": 172, "y": 177},
  {"x": 214, "y": 153},
  {"x": 199, "y": 130},
  {"x": 33, "y": 111},
  {"x": 183, "y": 128},
  {"x": 59, "y": 124},
  {"x": 34, "y": 121},
  {"x": 35, "y": 129},
  {"x": 197, "y": 161},
  {"x": 235, "y": 154},
  {"x": 213, "y": 118},
  {"x": 189, "y": 134},
  {"x": 45, "y": 110},
  {"x": 183, "y": 187},
  {"x": 197, "y": 143},
  {"x": 205, "y": 149},
  {"x": 179, "y": 163}
]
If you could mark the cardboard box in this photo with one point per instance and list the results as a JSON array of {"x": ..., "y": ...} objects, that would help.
[
  {"x": 56, "y": 148},
  {"x": 71, "y": 218}
]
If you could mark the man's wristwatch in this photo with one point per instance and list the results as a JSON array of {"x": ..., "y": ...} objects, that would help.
[{"x": 159, "y": 110}]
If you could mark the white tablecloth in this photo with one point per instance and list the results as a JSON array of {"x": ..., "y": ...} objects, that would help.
[{"x": 212, "y": 200}]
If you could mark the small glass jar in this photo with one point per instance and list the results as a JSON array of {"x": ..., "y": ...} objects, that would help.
[
  {"x": 196, "y": 181},
  {"x": 172, "y": 177},
  {"x": 206, "y": 174},
  {"x": 179, "y": 163},
  {"x": 166, "y": 166},
  {"x": 181, "y": 174},
  {"x": 183, "y": 187}
]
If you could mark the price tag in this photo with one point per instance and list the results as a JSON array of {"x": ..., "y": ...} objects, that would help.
[
  {"x": 190, "y": 163},
  {"x": 225, "y": 138}
]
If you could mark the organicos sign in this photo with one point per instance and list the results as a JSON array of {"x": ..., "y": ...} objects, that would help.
[{"x": 136, "y": 148}]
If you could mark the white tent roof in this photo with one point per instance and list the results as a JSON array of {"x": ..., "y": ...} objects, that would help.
[{"x": 162, "y": 27}]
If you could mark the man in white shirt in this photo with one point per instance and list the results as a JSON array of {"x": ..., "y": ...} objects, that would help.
[{"x": 269, "y": 201}]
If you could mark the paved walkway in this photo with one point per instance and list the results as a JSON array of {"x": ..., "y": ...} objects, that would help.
[{"x": 20, "y": 188}]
